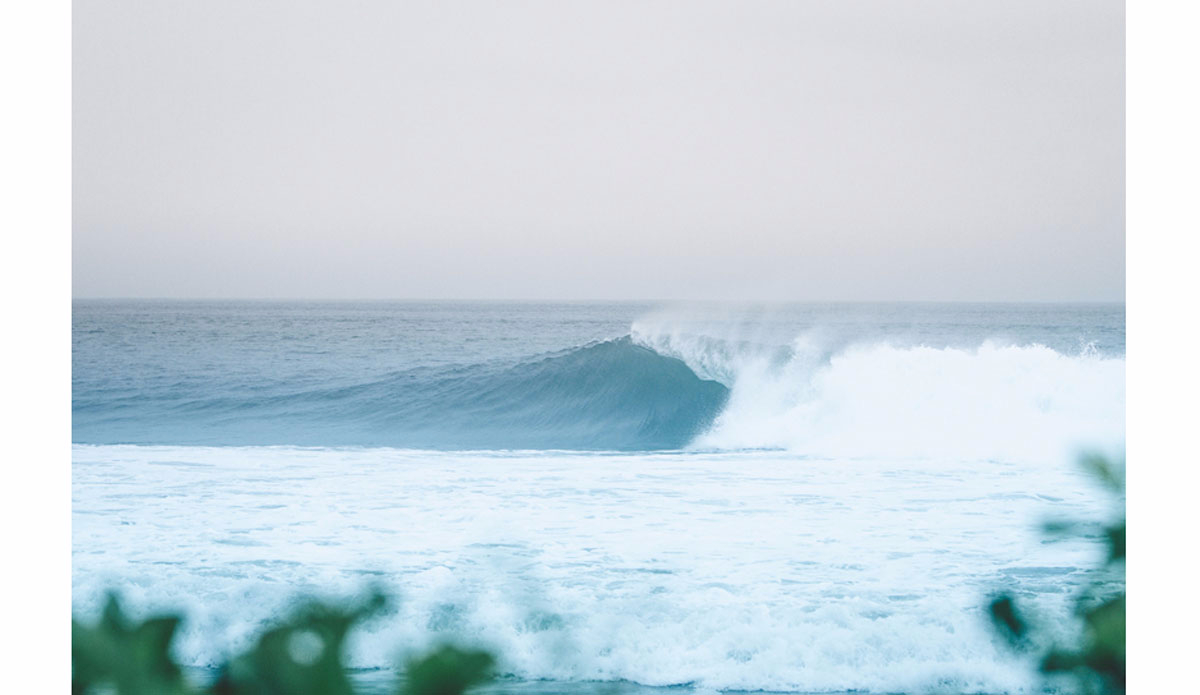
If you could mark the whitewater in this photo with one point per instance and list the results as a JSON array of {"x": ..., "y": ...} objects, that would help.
[{"x": 796, "y": 498}]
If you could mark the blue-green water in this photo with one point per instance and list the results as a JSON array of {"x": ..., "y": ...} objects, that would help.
[
  {"x": 484, "y": 376},
  {"x": 612, "y": 497}
]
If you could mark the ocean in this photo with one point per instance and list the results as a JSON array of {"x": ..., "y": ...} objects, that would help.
[{"x": 788, "y": 497}]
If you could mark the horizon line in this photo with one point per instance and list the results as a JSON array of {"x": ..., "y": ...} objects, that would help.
[{"x": 532, "y": 300}]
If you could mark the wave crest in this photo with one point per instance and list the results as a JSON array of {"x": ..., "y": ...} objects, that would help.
[{"x": 881, "y": 400}]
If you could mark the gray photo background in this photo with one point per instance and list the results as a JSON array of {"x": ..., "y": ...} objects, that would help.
[{"x": 860, "y": 150}]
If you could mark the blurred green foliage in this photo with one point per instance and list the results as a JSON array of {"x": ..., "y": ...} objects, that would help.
[
  {"x": 1096, "y": 660},
  {"x": 300, "y": 656},
  {"x": 127, "y": 657},
  {"x": 447, "y": 671}
]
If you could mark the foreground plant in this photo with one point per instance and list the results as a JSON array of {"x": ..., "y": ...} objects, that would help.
[
  {"x": 1096, "y": 661},
  {"x": 132, "y": 658},
  {"x": 301, "y": 656}
]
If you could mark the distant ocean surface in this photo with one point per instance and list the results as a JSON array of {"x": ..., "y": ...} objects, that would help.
[{"x": 800, "y": 498}]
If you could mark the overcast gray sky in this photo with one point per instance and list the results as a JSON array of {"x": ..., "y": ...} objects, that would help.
[{"x": 922, "y": 150}]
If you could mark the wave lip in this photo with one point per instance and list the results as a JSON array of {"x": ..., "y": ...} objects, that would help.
[{"x": 610, "y": 395}]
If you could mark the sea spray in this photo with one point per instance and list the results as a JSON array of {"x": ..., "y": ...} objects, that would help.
[{"x": 879, "y": 399}]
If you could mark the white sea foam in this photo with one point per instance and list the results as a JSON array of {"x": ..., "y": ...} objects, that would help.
[
  {"x": 871, "y": 399},
  {"x": 746, "y": 570}
]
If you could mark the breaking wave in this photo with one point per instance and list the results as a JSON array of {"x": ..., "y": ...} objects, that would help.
[
  {"x": 662, "y": 390},
  {"x": 877, "y": 399}
]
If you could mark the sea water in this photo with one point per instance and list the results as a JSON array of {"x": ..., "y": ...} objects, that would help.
[{"x": 801, "y": 498}]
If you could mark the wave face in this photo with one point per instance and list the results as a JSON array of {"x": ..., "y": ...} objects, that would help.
[{"x": 610, "y": 395}]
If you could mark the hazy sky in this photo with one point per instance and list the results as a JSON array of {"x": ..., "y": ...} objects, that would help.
[{"x": 909, "y": 150}]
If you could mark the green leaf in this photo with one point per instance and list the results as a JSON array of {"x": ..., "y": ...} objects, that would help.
[
  {"x": 130, "y": 658},
  {"x": 302, "y": 656},
  {"x": 1116, "y": 542},
  {"x": 1006, "y": 618},
  {"x": 447, "y": 671},
  {"x": 1105, "y": 471}
]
